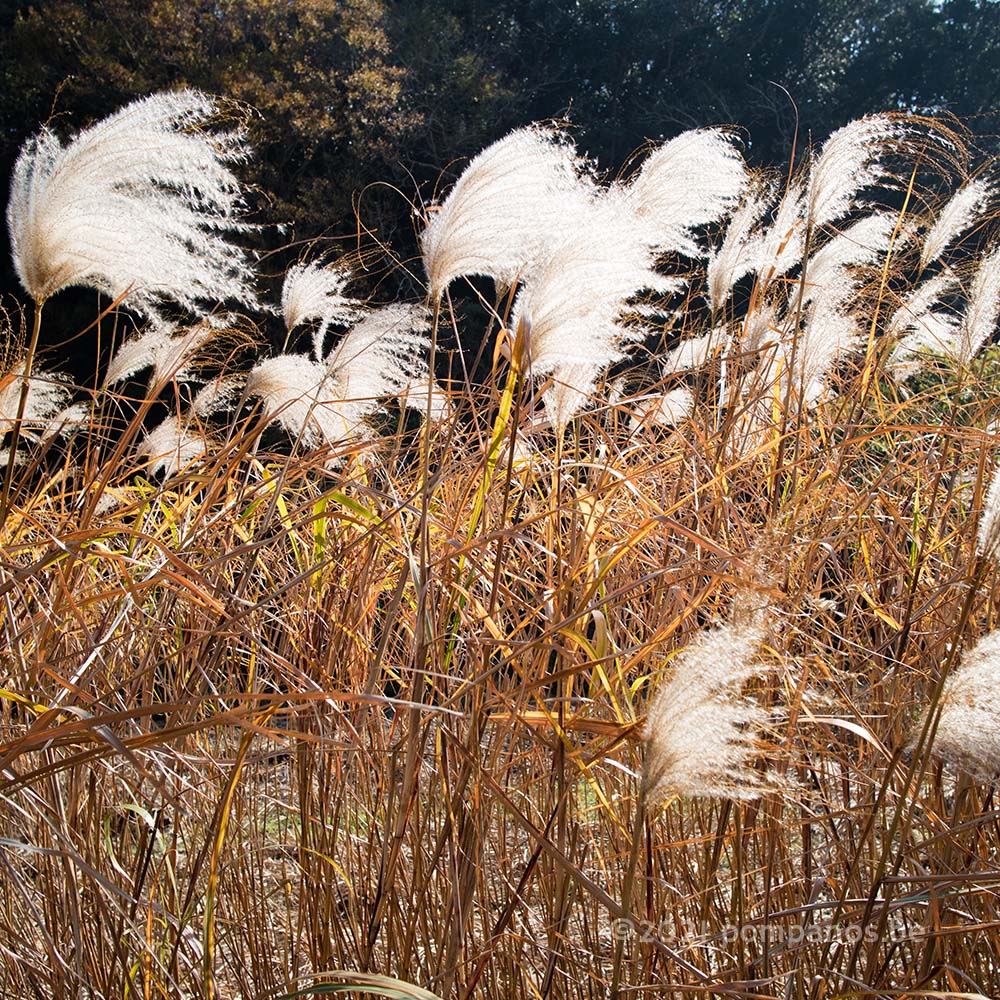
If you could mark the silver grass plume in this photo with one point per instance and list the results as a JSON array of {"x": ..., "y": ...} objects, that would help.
[
  {"x": 965, "y": 207},
  {"x": 570, "y": 311},
  {"x": 313, "y": 292},
  {"x": 784, "y": 240},
  {"x": 141, "y": 204},
  {"x": 739, "y": 252},
  {"x": 849, "y": 161},
  {"x": 980, "y": 318},
  {"x": 159, "y": 347},
  {"x": 171, "y": 446},
  {"x": 296, "y": 394},
  {"x": 922, "y": 330},
  {"x": 181, "y": 439},
  {"x": 515, "y": 199},
  {"x": 861, "y": 243},
  {"x": 695, "y": 352},
  {"x": 968, "y": 730},
  {"x": 327, "y": 402},
  {"x": 828, "y": 333},
  {"x": 665, "y": 410},
  {"x": 45, "y": 406},
  {"x": 687, "y": 182},
  {"x": 700, "y": 729},
  {"x": 830, "y": 330},
  {"x": 988, "y": 537}
]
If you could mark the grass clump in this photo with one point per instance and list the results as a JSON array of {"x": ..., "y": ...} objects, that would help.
[{"x": 633, "y": 666}]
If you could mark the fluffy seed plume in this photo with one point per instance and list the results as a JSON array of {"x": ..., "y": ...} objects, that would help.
[
  {"x": 667, "y": 410},
  {"x": 784, "y": 240},
  {"x": 570, "y": 311},
  {"x": 988, "y": 538},
  {"x": 140, "y": 204},
  {"x": 981, "y": 314},
  {"x": 849, "y": 161},
  {"x": 160, "y": 348},
  {"x": 46, "y": 401},
  {"x": 514, "y": 200},
  {"x": 964, "y": 208},
  {"x": 739, "y": 252},
  {"x": 861, "y": 243},
  {"x": 922, "y": 330},
  {"x": 327, "y": 402},
  {"x": 172, "y": 445},
  {"x": 687, "y": 182},
  {"x": 314, "y": 292},
  {"x": 700, "y": 729},
  {"x": 968, "y": 732}
]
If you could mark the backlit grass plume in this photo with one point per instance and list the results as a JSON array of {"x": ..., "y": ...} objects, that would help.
[
  {"x": 514, "y": 200},
  {"x": 700, "y": 729},
  {"x": 968, "y": 731},
  {"x": 314, "y": 292},
  {"x": 328, "y": 401},
  {"x": 141, "y": 205},
  {"x": 570, "y": 312},
  {"x": 158, "y": 347},
  {"x": 685, "y": 183}
]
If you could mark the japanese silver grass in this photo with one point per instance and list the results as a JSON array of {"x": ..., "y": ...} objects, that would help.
[
  {"x": 980, "y": 318},
  {"x": 964, "y": 208},
  {"x": 571, "y": 311},
  {"x": 140, "y": 205},
  {"x": 685, "y": 183},
  {"x": 514, "y": 201},
  {"x": 313, "y": 292},
  {"x": 700, "y": 728},
  {"x": 968, "y": 730},
  {"x": 849, "y": 161}
]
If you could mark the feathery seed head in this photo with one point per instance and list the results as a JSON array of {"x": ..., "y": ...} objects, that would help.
[
  {"x": 739, "y": 252},
  {"x": 968, "y": 732},
  {"x": 965, "y": 207},
  {"x": 700, "y": 729},
  {"x": 171, "y": 446},
  {"x": 515, "y": 199},
  {"x": 327, "y": 402},
  {"x": 140, "y": 204},
  {"x": 849, "y": 161},
  {"x": 983, "y": 310},
  {"x": 691, "y": 180},
  {"x": 570, "y": 310},
  {"x": 313, "y": 292},
  {"x": 988, "y": 539},
  {"x": 666, "y": 410},
  {"x": 47, "y": 396},
  {"x": 159, "y": 348}
]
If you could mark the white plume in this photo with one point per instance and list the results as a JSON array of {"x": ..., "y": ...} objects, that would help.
[
  {"x": 739, "y": 252},
  {"x": 983, "y": 310},
  {"x": 964, "y": 208},
  {"x": 140, "y": 204},
  {"x": 685, "y": 183},
  {"x": 570, "y": 311},
  {"x": 313, "y": 292},
  {"x": 516, "y": 199},
  {"x": 160, "y": 348},
  {"x": 172, "y": 445},
  {"x": 849, "y": 161},
  {"x": 326, "y": 402}
]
